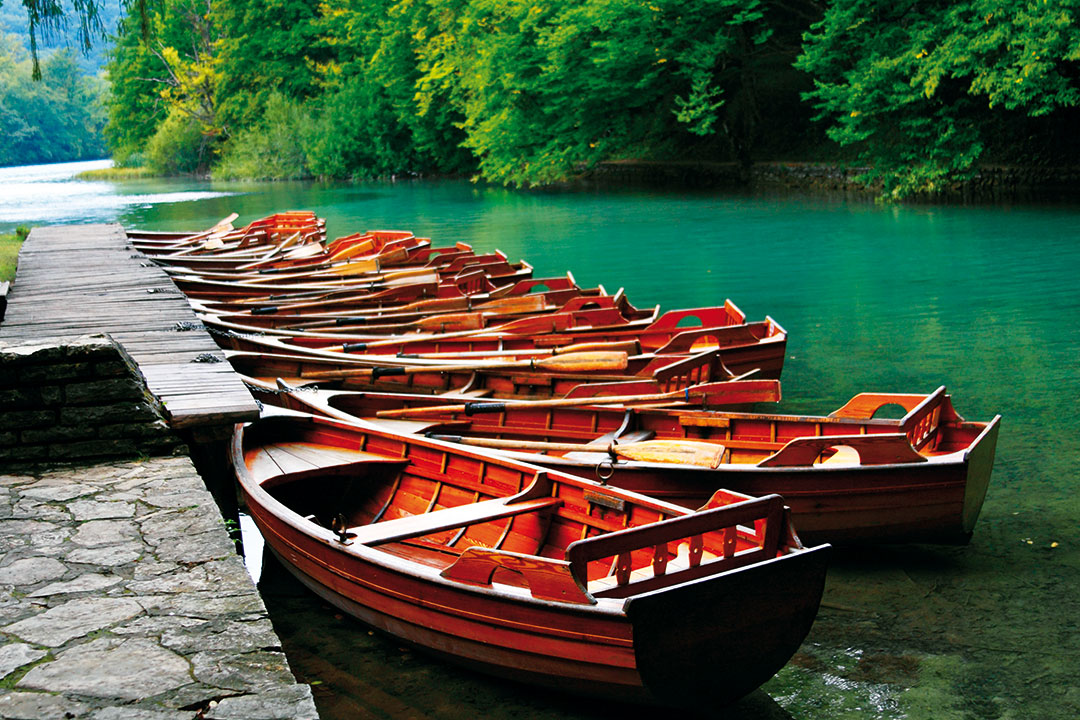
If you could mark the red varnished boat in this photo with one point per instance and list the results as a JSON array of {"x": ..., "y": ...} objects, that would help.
[
  {"x": 547, "y": 376},
  {"x": 740, "y": 346},
  {"x": 848, "y": 476},
  {"x": 530, "y": 573}
]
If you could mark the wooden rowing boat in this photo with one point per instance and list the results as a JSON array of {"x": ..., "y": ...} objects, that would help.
[
  {"x": 556, "y": 291},
  {"x": 533, "y": 574},
  {"x": 741, "y": 348},
  {"x": 535, "y": 377},
  {"x": 849, "y": 477}
]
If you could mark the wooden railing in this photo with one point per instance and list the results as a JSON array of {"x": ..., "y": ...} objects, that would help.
[{"x": 666, "y": 568}]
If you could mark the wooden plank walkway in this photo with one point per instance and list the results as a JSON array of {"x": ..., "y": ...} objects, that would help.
[{"x": 84, "y": 279}]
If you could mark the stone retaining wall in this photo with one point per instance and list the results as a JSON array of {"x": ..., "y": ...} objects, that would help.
[{"x": 76, "y": 400}]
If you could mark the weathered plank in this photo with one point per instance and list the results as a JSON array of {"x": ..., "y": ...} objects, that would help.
[{"x": 87, "y": 279}]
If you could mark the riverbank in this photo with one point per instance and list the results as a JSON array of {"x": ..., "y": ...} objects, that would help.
[
  {"x": 991, "y": 183},
  {"x": 116, "y": 173}
]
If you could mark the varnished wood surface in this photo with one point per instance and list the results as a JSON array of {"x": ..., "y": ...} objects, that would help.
[
  {"x": 87, "y": 279},
  {"x": 529, "y": 574}
]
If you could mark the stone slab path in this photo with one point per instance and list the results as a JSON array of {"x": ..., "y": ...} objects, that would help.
[{"x": 122, "y": 597}]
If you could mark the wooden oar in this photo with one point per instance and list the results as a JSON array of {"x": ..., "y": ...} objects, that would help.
[
  {"x": 368, "y": 267},
  {"x": 552, "y": 323},
  {"x": 573, "y": 362},
  {"x": 223, "y": 226},
  {"x": 630, "y": 347},
  {"x": 681, "y": 452},
  {"x": 718, "y": 393},
  {"x": 508, "y": 307}
]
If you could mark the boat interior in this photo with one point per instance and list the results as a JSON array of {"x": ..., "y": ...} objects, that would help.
[
  {"x": 480, "y": 520},
  {"x": 853, "y": 435}
]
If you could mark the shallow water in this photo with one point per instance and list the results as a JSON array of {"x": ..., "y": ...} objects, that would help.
[{"x": 983, "y": 299}]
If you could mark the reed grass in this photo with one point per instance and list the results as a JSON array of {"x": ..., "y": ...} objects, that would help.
[
  {"x": 115, "y": 173},
  {"x": 9, "y": 253}
]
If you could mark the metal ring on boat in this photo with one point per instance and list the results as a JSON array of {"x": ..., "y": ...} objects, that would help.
[{"x": 602, "y": 474}]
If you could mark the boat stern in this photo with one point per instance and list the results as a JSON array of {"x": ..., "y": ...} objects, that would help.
[
  {"x": 980, "y": 463},
  {"x": 707, "y": 643}
]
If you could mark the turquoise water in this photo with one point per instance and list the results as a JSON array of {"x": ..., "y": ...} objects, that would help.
[{"x": 982, "y": 299}]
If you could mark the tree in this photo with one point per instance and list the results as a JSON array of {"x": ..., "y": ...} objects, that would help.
[
  {"x": 52, "y": 121},
  {"x": 49, "y": 16},
  {"x": 923, "y": 90},
  {"x": 264, "y": 48},
  {"x": 369, "y": 119},
  {"x": 545, "y": 89},
  {"x": 165, "y": 84}
]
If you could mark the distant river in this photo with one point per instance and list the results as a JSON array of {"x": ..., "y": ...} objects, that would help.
[{"x": 982, "y": 299}]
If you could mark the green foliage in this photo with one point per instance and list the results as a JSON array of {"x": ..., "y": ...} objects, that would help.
[
  {"x": 529, "y": 93},
  {"x": 923, "y": 89},
  {"x": 371, "y": 121},
  {"x": 178, "y": 146},
  {"x": 9, "y": 252},
  {"x": 55, "y": 120},
  {"x": 158, "y": 79},
  {"x": 115, "y": 173},
  {"x": 14, "y": 19},
  {"x": 548, "y": 88},
  {"x": 357, "y": 134},
  {"x": 264, "y": 48},
  {"x": 135, "y": 103},
  {"x": 273, "y": 149},
  {"x": 50, "y": 17}
]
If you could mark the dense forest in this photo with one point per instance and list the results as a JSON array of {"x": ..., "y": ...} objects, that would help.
[
  {"x": 56, "y": 119},
  {"x": 525, "y": 93},
  {"x": 62, "y": 117}
]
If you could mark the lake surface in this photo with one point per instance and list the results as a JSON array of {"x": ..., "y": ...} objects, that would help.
[{"x": 982, "y": 299}]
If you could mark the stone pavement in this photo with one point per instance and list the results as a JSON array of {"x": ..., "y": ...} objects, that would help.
[{"x": 122, "y": 597}]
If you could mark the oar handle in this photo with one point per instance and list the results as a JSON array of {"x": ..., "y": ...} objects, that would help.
[
  {"x": 718, "y": 393},
  {"x": 472, "y": 408},
  {"x": 630, "y": 347},
  {"x": 575, "y": 362}
]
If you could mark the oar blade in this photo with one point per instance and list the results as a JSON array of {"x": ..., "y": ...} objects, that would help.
[
  {"x": 679, "y": 452},
  {"x": 584, "y": 362}
]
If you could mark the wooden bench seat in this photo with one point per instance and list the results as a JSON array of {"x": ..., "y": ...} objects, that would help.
[
  {"x": 293, "y": 460},
  {"x": 447, "y": 519}
]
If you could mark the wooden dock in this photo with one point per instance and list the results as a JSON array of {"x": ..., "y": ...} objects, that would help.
[{"x": 87, "y": 279}]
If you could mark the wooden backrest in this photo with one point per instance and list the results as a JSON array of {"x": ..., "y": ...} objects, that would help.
[
  {"x": 699, "y": 368},
  {"x": 875, "y": 449},
  {"x": 720, "y": 530},
  {"x": 922, "y": 423}
]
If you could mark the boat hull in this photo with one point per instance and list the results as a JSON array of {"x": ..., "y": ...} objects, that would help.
[
  {"x": 934, "y": 502},
  {"x": 616, "y": 580},
  {"x": 629, "y": 655}
]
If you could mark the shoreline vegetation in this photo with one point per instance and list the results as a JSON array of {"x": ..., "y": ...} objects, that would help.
[
  {"x": 908, "y": 101},
  {"x": 116, "y": 173},
  {"x": 924, "y": 97},
  {"x": 989, "y": 182},
  {"x": 9, "y": 252}
]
